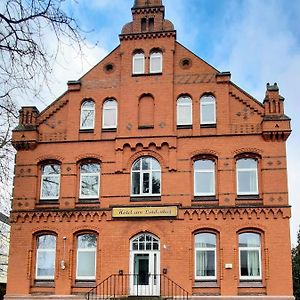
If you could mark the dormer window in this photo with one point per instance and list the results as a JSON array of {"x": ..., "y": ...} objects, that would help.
[
  {"x": 156, "y": 62},
  {"x": 138, "y": 63}
]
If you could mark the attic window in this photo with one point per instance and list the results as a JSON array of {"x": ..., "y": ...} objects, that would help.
[
  {"x": 108, "y": 68},
  {"x": 185, "y": 63},
  {"x": 144, "y": 24},
  {"x": 151, "y": 24}
]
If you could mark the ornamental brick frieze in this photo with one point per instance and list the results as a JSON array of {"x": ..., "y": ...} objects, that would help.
[
  {"x": 59, "y": 216},
  {"x": 236, "y": 213},
  {"x": 152, "y": 35},
  {"x": 194, "y": 78}
]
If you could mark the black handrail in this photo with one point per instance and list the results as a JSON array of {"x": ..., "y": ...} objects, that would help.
[{"x": 118, "y": 286}]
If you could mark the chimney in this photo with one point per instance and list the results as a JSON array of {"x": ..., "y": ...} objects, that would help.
[
  {"x": 28, "y": 116},
  {"x": 273, "y": 102}
]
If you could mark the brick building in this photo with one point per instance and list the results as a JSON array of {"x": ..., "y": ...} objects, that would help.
[{"x": 152, "y": 171}]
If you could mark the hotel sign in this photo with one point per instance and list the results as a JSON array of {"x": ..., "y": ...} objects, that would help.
[{"x": 144, "y": 212}]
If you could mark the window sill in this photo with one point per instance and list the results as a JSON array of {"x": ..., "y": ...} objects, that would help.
[
  {"x": 214, "y": 125},
  {"x": 48, "y": 202},
  {"x": 146, "y": 74},
  {"x": 88, "y": 200},
  {"x": 109, "y": 129},
  {"x": 144, "y": 198},
  {"x": 206, "y": 284},
  {"x": 248, "y": 197},
  {"x": 250, "y": 284},
  {"x": 85, "y": 283},
  {"x": 86, "y": 130},
  {"x": 205, "y": 198},
  {"x": 44, "y": 283},
  {"x": 184, "y": 126}
]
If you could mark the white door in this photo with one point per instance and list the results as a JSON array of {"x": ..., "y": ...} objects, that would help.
[{"x": 144, "y": 266}]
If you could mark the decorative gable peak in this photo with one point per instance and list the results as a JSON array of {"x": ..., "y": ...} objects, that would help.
[
  {"x": 148, "y": 17},
  {"x": 273, "y": 102}
]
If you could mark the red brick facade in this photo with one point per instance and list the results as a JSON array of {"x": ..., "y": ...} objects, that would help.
[{"x": 223, "y": 200}]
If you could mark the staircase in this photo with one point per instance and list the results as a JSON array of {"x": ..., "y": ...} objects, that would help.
[{"x": 137, "y": 287}]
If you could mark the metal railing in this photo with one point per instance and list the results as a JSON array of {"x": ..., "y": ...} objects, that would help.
[{"x": 118, "y": 286}]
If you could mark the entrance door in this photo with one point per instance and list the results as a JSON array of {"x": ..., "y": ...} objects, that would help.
[{"x": 144, "y": 266}]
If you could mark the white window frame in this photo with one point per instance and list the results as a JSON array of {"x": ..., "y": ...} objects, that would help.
[
  {"x": 189, "y": 105},
  {"x": 238, "y": 170},
  {"x": 153, "y": 56},
  {"x": 110, "y": 108},
  {"x": 259, "y": 258},
  {"x": 142, "y": 172},
  {"x": 94, "y": 249},
  {"x": 207, "y": 100},
  {"x": 95, "y": 174},
  {"x": 38, "y": 251},
  {"x": 204, "y": 171},
  {"x": 53, "y": 176},
  {"x": 136, "y": 57},
  {"x": 87, "y": 109},
  {"x": 197, "y": 249}
]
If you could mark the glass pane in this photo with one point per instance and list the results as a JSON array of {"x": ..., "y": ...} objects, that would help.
[
  {"x": 155, "y": 165},
  {"x": 88, "y": 104},
  {"x": 89, "y": 168},
  {"x": 184, "y": 100},
  {"x": 146, "y": 183},
  {"x": 135, "y": 246},
  {"x": 146, "y": 163},
  {"x": 184, "y": 115},
  {"x": 155, "y": 182},
  {"x": 208, "y": 113},
  {"x": 88, "y": 240},
  {"x": 156, "y": 62},
  {"x": 204, "y": 183},
  {"x": 110, "y": 104},
  {"x": 46, "y": 242},
  {"x": 249, "y": 239},
  {"x": 110, "y": 117},
  {"x": 249, "y": 263},
  {"x": 87, "y": 119},
  {"x": 205, "y": 240},
  {"x": 205, "y": 263},
  {"x": 89, "y": 185},
  {"x": 45, "y": 263},
  {"x": 247, "y": 182},
  {"x": 51, "y": 169},
  {"x": 135, "y": 183},
  {"x": 86, "y": 264},
  {"x": 155, "y": 246},
  {"x": 138, "y": 63},
  {"x": 50, "y": 186},
  {"x": 136, "y": 165},
  {"x": 204, "y": 165},
  {"x": 247, "y": 163}
]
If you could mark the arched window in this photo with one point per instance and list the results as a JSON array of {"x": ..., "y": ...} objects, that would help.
[
  {"x": 87, "y": 115},
  {"x": 50, "y": 182},
  {"x": 208, "y": 110},
  {"x": 138, "y": 63},
  {"x": 250, "y": 256},
  {"x": 247, "y": 180},
  {"x": 89, "y": 180},
  {"x": 45, "y": 257},
  {"x": 110, "y": 114},
  {"x": 205, "y": 256},
  {"x": 145, "y": 241},
  {"x": 146, "y": 177},
  {"x": 86, "y": 256},
  {"x": 156, "y": 62},
  {"x": 184, "y": 111},
  {"x": 204, "y": 177}
]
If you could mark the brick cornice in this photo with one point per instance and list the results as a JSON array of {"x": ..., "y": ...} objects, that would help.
[{"x": 147, "y": 35}]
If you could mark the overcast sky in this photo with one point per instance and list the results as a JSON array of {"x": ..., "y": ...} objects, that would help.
[{"x": 258, "y": 41}]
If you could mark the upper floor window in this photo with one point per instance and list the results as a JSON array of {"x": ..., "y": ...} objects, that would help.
[
  {"x": 89, "y": 180},
  {"x": 87, "y": 115},
  {"x": 138, "y": 63},
  {"x": 247, "y": 181},
  {"x": 86, "y": 256},
  {"x": 208, "y": 110},
  {"x": 156, "y": 62},
  {"x": 205, "y": 256},
  {"x": 250, "y": 256},
  {"x": 50, "y": 182},
  {"x": 184, "y": 111},
  {"x": 110, "y": 114},
  {"x": 204, "y": 177},
  {"x": 146, "y": 177},
  {"x": 45, "y": 257}
]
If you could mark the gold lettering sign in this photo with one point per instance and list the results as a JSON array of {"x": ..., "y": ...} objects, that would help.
[{"x": 142, "y": 212}]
